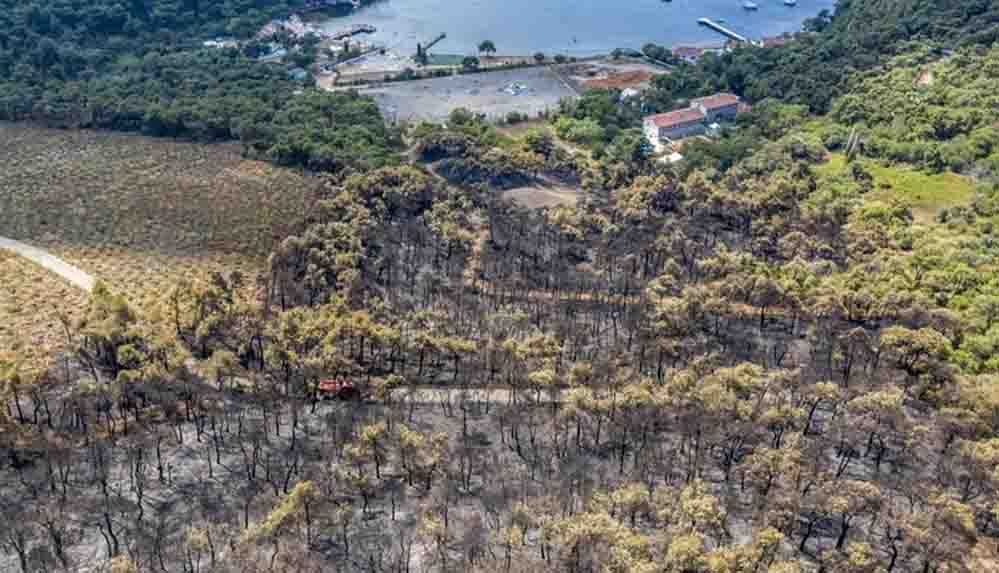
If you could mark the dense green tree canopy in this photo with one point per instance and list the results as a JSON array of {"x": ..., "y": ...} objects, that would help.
[{"x": 140, "y": 66}]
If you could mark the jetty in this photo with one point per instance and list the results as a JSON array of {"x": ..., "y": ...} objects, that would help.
[
  {"x": 316, "y": 5},
  {"x": 708, "y": 22},
  {"x": 351, "y": 31}
]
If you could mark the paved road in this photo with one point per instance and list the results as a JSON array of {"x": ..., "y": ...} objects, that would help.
[{"x": 58, "y": 266}]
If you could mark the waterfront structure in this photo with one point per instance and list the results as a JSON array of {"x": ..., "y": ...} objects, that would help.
[
  {"x": 709, "y": 23},
  {"x": 662, "y": 128}
]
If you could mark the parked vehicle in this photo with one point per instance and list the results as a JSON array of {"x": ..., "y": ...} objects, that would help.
[{"x": 338, "y": 389}]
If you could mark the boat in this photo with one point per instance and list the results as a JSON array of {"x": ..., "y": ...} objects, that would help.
[
  {"x": 750, "y": 5},
  {"x": 790, "y": 2}
]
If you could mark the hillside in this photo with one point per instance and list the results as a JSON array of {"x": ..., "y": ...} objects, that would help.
[
  {"x": 140, "y": 67},
  {"x": 538, "y": 348}
]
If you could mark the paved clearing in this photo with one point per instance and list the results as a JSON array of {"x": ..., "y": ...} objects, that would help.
[
  {"x": 494, "y": 94},
  {"x": 50, "y": 262}
]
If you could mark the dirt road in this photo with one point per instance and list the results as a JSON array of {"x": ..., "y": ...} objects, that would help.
[
  {"x": 430, "y": 395},
  {"x": 415, "y": 394},
  {"x": 48, "y": 261}
]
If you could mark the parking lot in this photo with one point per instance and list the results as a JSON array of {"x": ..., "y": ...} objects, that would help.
[{"x": 494, "y": 94}]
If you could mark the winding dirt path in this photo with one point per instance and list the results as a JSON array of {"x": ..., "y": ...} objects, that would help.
[{"x": 76, "y": 276}]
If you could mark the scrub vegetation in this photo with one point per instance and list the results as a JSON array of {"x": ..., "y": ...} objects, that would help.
[{"x": 779, "y": 354}]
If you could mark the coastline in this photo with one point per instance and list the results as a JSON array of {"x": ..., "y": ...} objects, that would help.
[{"x": 586, "y": 28}]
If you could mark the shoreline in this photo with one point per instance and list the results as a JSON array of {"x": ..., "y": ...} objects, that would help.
[{"x": 522, "y": 27}]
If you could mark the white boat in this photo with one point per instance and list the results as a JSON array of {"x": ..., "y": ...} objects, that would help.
[
  {"x": 750, "y": 5},
  {"x": 790, "y": 2}
]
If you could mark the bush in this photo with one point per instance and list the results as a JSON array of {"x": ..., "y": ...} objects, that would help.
[
  {"x": 582, "y": 131},
  {"x": 470, "y": 63},
  {"x": 442, "y": 144},
  {"x": 515, "y": 117}
]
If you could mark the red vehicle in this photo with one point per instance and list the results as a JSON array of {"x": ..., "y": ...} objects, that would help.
[{"x": 338, "y": 389}]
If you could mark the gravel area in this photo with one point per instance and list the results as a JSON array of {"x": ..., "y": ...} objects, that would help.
[{"x": 495, "y": 94}]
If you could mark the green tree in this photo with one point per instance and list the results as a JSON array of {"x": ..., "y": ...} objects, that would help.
[
  {"x": 487, "y": 47},
  {"x": 470, "y": 63}
]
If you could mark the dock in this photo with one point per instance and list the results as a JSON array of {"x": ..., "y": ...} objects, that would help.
[
  {"x": 722, "y": 30},
  {"x": 316, "y": 5},
  {"x": 351, "y": 31}
]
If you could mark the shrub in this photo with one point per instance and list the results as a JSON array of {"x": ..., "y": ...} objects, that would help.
[{"x": 582, "y": 131}]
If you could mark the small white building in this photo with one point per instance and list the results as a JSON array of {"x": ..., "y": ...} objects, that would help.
[
  {"x": 220, "y": 43},
  {"x": 628, "y": 93}
]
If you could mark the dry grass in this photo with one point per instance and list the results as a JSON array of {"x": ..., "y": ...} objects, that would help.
[
  {"x": 140, "y": 213},
  {"x": 540, "y": 196},
  {"x": 31, "y": 302},
  {"x": 137, "y": 213}
]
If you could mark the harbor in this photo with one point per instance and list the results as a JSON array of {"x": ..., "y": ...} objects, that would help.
[{"x": 582, "y": 28}]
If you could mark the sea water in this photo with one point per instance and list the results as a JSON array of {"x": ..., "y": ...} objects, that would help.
[{"x": 572, "y": 27}]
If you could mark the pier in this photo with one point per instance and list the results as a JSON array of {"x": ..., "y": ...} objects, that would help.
[
  {"x": 351, "y": 31},
  {"x": 317, "y": 5},
  {"x": 722, "y": 30}
]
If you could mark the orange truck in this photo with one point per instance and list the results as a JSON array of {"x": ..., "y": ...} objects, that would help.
[{"x": 338, "y": 389}]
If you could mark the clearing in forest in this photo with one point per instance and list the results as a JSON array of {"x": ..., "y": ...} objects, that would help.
[
  {"x": 926, "y": 193},
  {"x": 540, "y": 196}
]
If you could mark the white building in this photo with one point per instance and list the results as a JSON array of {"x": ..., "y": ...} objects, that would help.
[{"x": 661, "y": 128}]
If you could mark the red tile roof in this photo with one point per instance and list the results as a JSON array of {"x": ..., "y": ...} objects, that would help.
[
  {"x": 772, "y": 41},
  {"x": 716, "y": 101},
  {"x": 675, "y": 118},
  {"x": 688, "y": 51}
]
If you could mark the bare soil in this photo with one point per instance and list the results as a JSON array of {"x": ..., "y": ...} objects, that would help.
[{"x": 541, "y": 196}]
